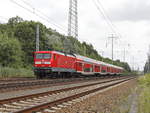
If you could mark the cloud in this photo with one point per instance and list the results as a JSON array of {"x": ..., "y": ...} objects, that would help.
[{"x": 132, "y": 10}]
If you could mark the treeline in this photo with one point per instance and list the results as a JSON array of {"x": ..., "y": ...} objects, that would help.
[{"x": 17, "y": 44}]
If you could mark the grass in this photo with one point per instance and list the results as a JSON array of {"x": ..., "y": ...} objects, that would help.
[
  {"x": 12, "y": 72},
  {"x": 129, "y": 73},
  {"x": 144, "y": 96}
]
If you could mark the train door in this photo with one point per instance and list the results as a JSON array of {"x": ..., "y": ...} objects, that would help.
[
  {"x": 79, "y": 66},
  {"x": 104, "y": 68}
]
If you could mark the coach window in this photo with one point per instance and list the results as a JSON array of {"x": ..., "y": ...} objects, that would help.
[
  {"x": 87, "y": 69},
  {"x": 96, "y": 67},
  {"x": 103, "y": 71},
  {"x": 108, "y": 69}
]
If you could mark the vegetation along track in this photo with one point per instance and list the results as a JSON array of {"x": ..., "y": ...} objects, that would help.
[
  {"x": 8, "y": 86},
  {"x": 45, "y": 102}
]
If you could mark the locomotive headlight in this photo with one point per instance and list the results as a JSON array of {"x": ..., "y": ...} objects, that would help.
[
  {"x": 37, "y": 62},
  {"x": 47, "y": 63}
]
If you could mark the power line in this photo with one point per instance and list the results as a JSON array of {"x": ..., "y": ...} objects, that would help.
[
  {"x": 102, "y": 11},
  {"x": 108, "y": 17},
  {"x": 105, "y": 18},
  {"x": 114, "y": 29},
  {"x": 34, "y": 9},
  {"x": 33, "y": 12}
]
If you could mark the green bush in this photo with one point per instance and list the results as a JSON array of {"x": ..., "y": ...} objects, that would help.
[
  {"x": 144, "y": 96},
  {"x": 13, "y": 72},
  {"x": 10, "y": 51},
  {"x": 144, "y": 100},
  {"x": 145, "y": 80}
]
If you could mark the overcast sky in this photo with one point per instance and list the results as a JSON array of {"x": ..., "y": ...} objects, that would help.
[{"x": 131, "y": 20}]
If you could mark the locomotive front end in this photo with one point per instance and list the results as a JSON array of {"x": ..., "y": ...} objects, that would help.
[{"x": 42, "y": 63}]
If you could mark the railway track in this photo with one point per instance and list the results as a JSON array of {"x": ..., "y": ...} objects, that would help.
[
  {"x": 5, "y": 80},
  {"x": 52, "y": 100},
  {"x": 8, "y": 86}
]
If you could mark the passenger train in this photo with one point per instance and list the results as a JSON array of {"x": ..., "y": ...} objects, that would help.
[{"x": 54, "y": 63}]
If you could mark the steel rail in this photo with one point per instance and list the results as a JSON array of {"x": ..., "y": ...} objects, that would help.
[
  {"x": 4, "y": 101},
  {"x": 66, "y": 99}
]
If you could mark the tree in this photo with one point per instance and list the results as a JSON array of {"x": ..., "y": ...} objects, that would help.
[
  {"x": 10, "y": 51},
  {"x": 25, "y": 32},
  {"x": 14, "y": 20}
]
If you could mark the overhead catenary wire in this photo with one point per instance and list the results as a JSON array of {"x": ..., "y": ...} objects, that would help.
[
  {"x": 100, "y": 12},
  {"x": 107, "y": 19},
  {"x": 33, "y": 11},
  {"x": 50, "y": 21}
]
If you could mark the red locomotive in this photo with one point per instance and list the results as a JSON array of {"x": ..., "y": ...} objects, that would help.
[{"x": 54, "y": 63}]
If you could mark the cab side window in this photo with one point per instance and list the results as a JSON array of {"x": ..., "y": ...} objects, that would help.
[{"x": 54, "y": 57}]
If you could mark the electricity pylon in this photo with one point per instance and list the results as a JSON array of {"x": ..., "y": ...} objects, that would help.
[{"x": 73, "y": 19}]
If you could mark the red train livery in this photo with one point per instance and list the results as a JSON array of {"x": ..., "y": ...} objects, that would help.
[{"x": 54, "y": 63}]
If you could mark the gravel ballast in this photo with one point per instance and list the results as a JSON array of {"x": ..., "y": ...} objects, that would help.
[
  {"x": 50, "y": 98},
  {"x": 13, "y": 94},
  {"x": 108, "y": 101}
]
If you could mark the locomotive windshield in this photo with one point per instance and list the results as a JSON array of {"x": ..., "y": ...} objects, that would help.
[{"x": 43, "y": 56}]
